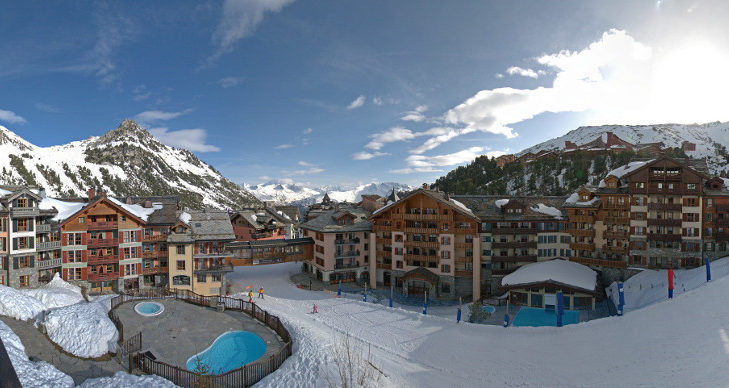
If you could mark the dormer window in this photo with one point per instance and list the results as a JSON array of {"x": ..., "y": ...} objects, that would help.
[
  {"x": 585, "y": 197},
  {"x": 21, "y": 202}
]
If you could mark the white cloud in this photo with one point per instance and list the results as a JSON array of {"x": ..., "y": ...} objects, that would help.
[
  {"x": 384, "y": 100},
  {"x": 377, "y": 101},
  {"x": 305, "y": 164},
  {"x": 11, "y": 117},
  {"x": 516, "y": 70},
  {"x": 463, "y": 156},
  {"x": 412, "y": 170},
  {"x": 358, "y": 102},
  {"x": 498, "y": 76},
  {"x": 151, "y": 116},
  {"x": 364, "y": 155},
  {"x": 229, "y": 82},
  {"x": 307, "y": 131},
  {"x": 306, "y": 171},
  {"x": 189, "y": 139},
  {"x": 239, "y": 20},
  {"x": 390, "y": 136},
  {"x": 415, "y": 114},
  {"x": 283, "y": 146}
]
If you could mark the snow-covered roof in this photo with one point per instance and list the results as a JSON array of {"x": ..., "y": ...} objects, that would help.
[
  {"x": 726, "y": 182},
  {"x": 65, "y": 209},
  {"x": 501, "y": 202},
  {"x": 138, "y": 210},
  {"x": 548, "y": 210},
  {"x": 462, "y": 206},
  {"x": 185, "y": 217},
  {"x": 575, "y": 200},
  {"x": 624, "y": 170},
  {"x": 559, "y": 271}
]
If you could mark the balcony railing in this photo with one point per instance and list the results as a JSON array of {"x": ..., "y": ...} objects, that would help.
[
  {"x": 42, "y": 228},
  {"x": 613, "y": 249},
  {"x": 154, "y": 254},
  {"x": 47, "y": 245},
  {"x": 513, "y": 230},
  {"x": 49, "y": 263},
  {"x": 103, "y": 259},
  {"x": 409, "y": 256},
  {"x": 102, "y": 242},
  {"x": 347, "y": 254},
  {"x": 211, "y": 254},
  {"x": 664, "y": 222},
  {"x": 154, "y": 270},
  {"x": 24, "y": 212},
  {"x": 347, "y": 265},
  {"x": 421, "y": 230},
  {"x": 583, "y": 232},
  {"x": 514, "y": 244},
  {"x": 103, "y": 225},
  {"x": 514, "y": 258},
  {"x": 616, "y": 234},
  {"x": 582, "y": 246},
  {"x": 154, "y": 237},
  {"x": 96, "y": 277},
  {"x": 347, "y": 241},
  {"x": 422, "y": 244},
  {"x": 587, "y": 219},
  {"x": 617, "y": 220},
  {"x": 428, "y": 217},
  {"x": 464, "y": 244},
  {"x": 664, "y": 206},
  {"x": 213, "y": 268},
  {"x": 600, "y": 262},
  {"x": 663, "y": 237}
]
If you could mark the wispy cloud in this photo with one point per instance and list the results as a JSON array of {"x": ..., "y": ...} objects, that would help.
[
  {"x": 383, "y": 100},
  {"x": 47, "y": 108},
  {"x": 422, "y": 163},
  {"x": 152, "y": 116},
  {"x": 516, "y": 70},
  {"x": 229, "y": 82},
  {"x": 140, "y": 93},
  {"x": 189, "y": 139},
  {"x": 307, "y": 131},
  {"x": 358, "y": 102},
  {"x": 239, "y": 20},
  {"x": 365, "y": 155},
  {"x": 11, "y": 117},
  {"x": 415, "y": 114},
  {"x": 309, "y": 168},
  {"x": 283, "y": 146},
  {"x": 391, "y": 135}
]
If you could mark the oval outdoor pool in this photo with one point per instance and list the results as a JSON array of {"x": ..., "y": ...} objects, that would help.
[
  {"x": 229, "y": 351},
  {"x": 488, "y": 309},
  {"x": 149, "y": 309}
]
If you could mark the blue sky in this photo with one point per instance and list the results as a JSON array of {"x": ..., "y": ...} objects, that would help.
[{"x": 332, "y": 92}]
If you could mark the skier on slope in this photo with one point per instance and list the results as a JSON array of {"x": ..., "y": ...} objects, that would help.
[
  {"x": 250, "y": 296},
  {"x": 260, "y": 293}
]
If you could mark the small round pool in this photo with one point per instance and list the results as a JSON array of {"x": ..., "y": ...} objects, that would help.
[
  {"x": 149, "y": 309},
  {"x": 488, "y": 309},
  {"x": 230, "y": 351}
]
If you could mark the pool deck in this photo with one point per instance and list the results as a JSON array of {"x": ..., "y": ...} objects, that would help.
[{"x": 184, "y": 329}]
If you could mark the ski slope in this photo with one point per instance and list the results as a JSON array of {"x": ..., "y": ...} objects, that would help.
[{"x": 674, "y": 343}]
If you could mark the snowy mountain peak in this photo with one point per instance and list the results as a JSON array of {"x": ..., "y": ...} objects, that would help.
[
  {"x": 298, "y": 194},
  {"x": 10, "y": 138}
]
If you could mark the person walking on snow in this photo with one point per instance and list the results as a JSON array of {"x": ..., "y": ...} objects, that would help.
[
  {"x": 250, "y": 296},
  {"x": 260, "y": 293},
  {"x": 314, "y": 310}
]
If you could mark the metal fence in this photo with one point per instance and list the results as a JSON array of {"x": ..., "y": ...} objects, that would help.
[{"x": 244, "y": 376}]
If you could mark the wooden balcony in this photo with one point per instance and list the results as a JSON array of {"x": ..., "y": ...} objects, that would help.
[
  {"x": 42, "y": 228},
  {"x": 154, "y": 254},
  {"x": 49, "y": 263},
  {"x": 102, "y": 242},
  {"x": 615, "y": 250},
  {"x": 464, "y": 273},
  {"x": 422, "y": 244},
  {"x": 664, "y": 206},
  {"x": 583, "y": 232},
  {"x": 582, "y": 246},
  {"x": 24, "y": 212},
  {"x": 600, "y": 262},
  {"x": 107, "y": 259},
  {"x": 213, "y": 268},
  {"x": 617, "y": 220},
  {"x": 515, "y": 259},
  {"x": 616, "y": 234},
  {"x": 384, "y": 266},
  {"x": 663, "y": 237},
  {"x": 409, "y": 256},
  {"x": 384, "y": 253},
  {"x": 514, "y": 230},
  {"x": 103, "y": 225},
  {"x": 428, "y": 217},
  {"x": 514, "y": 244},
  {"x": 155, "y": 270},
  {"x": 502, "y": 272},
  {"x": 586, "y": 219},
  {"x": 664, "y": 222},
  {"x": 97, "y": 277},
  {"x": 154, "y": 238},
  {"x": 464, "y": 245},
  {"x": 47, "y": 245},
  {"x": 422, "y": 230}
]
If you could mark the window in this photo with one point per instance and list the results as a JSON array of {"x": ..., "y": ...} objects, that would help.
[
  {"x": 21, "y": 202},
  {"x": 130, "y": 253},
  {"x": 445, "y": 226},
  {"x": 74, "y": 273},
  {"x": 129, "y": 236},
  {"x": 81, "y": 220},
  {"x": 24, "y": 281},
  {"x": 691, "y": 186},
  {"x": 639, "y": 185},
  {"x": 215, "y": 277},
  {"x": 23, "y": 243},
  {"x": 130, "y": 269},
  {"x": 201, "y": 278},
  {"x": 485, "y": 239},
  {"x": 180, "y": 265},
  {"x": 181, "y": 280},
  {"x": 180, "y": 249}
]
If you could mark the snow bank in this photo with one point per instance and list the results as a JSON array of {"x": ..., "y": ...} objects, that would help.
[
  {"x": 19, "y": 305},
  {"x": 57, "y": 293},
  {"x": 560, "y": 271},
  {"x": 82, "y": 329},
  {"x": 501, "y": 202},
  {"x": 573, "y": 198},
  {"x": 125, "y": 380},
  {"x": 649, "y": 286},
  {"x": 548, "y": 210},
  {"x": 30, "y": 373}
]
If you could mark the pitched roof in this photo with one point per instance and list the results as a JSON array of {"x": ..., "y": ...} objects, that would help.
[
  {"x": 209, "y": 224},
  {"x": 327, "y": 222},
  {"x": 491, "y": 207},
  {"x": 556, "y": 271},
  {"x": 436, "y": 195}
]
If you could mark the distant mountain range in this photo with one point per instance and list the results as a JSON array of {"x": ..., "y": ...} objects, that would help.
[
  {"x": 303, "y": 195},
  {"x": 125, "y": 161}
]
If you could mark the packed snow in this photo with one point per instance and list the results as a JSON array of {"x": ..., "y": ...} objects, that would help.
[
  {"x": 185, "y": 217},
  {"x": 651, "y": 286},
  {"x": 557, "y": 270},
  {"x": 548, "y": 210},
  {"x": 19, "y": 305},
  {"x": 416, "y": 350},
  {"x": 461, "y": 206},
  {"x": 65, "y": 209},
  {"x": 31, "y": 373},
  {"x": 57, "y": 293},
  {"x": 501, "y": 202},
  {"x": 625, "y": 170},
  {"x": 138, "y": 210},
  {"x": 125, "y": 380},
  {"x": 82, "y": 329}
]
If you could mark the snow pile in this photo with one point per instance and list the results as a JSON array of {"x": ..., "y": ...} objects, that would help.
[
  {"x": 18, "y": 304},
  {"x": 125, "y": 380},
  {"x": 559, "y": 271},
  {"x": 548, "y": 210},
  {"x": 649, "y": 286},
  {"x": 82, "y": 329},
  {"x": 462, "y": 206},
  {"x": 31, "y": 373},
  {"x": 573, "y": 198},
  {"x": 57, "y": 293},
  {"x": 625, "y": 170},
  {"x": 185, "y": 217},
  {"x": 501, "y": 202}
]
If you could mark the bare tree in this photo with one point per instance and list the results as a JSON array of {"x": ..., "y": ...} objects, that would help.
[
  {"x": 203, "y": 371},
  {"x": 353, "y": 367}
]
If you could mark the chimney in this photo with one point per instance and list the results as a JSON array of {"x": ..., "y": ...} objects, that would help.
[
  {"x": 447, "y": 197},
  {"x": 129, "y": 200},
  {"x": 91, "y": 193},
  {"x": 147, "y": 204},
  {"x": 42, "y": 192}
]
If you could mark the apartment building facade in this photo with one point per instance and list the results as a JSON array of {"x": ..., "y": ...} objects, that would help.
[{"x": 271, "y": 251}]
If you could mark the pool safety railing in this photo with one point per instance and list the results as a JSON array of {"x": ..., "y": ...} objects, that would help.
[{"x": 245, "y": 376}]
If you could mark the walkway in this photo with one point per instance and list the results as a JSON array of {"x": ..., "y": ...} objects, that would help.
[
  {"x": 39, "y": 347},
  {"x": 183, "y": 329}
]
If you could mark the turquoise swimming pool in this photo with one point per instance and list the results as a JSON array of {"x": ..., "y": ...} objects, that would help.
[
  {"x": 149, "y": 309},
  {"x": 530, "y": 316},
  {"x": 229, "y": 351}
]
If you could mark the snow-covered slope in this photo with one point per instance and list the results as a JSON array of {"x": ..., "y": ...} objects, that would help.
[
  {"x": 298, "y": 194},
  {"x": 124, "y": 161},
  {"x": 707, "y": 137}
]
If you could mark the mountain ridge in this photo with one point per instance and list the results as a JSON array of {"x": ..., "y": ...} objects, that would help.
[{"x": 289, "y": 193}]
